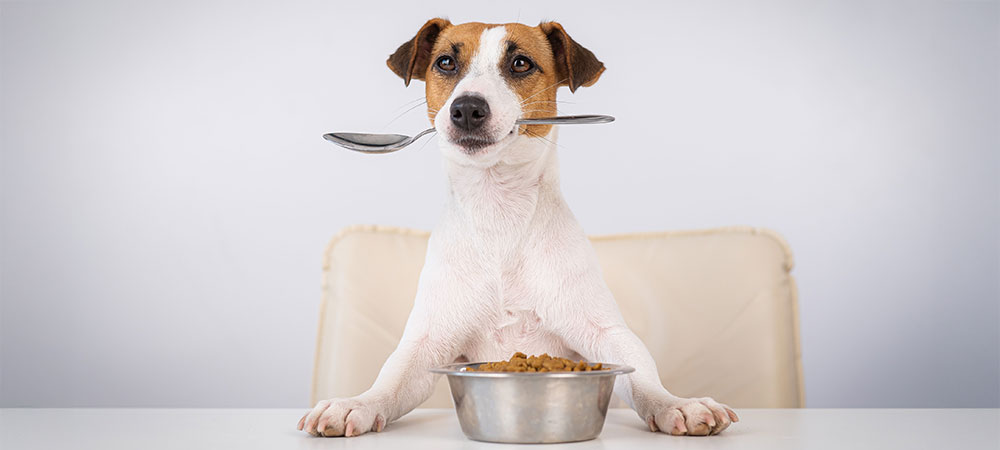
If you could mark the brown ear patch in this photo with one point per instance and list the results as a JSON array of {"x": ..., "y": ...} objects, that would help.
[
  {"x": 574, "y": 63},
  {"x": 411, "y": 59}
]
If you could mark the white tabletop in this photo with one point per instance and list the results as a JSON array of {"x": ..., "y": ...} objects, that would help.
[{"x": 153, "y": 429}]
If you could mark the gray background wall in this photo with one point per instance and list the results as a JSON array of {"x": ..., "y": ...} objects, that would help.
[{"x": 166, "y": 194}]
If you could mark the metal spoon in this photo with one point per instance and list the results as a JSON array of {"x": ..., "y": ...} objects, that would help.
[{"x": 388, "y": 143}]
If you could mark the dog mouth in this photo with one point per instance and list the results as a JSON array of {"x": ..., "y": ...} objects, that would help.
[{"x": 473, "y": 143}]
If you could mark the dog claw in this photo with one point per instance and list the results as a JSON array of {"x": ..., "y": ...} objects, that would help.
[
  {"x": 651, "y": 423},
  {"x": 679, "y": 426}
]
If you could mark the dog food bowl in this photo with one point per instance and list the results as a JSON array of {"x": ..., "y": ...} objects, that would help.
[{"x": 531, "y": 408}]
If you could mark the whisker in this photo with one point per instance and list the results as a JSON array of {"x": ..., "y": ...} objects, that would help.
[
  {"x": 538, "y": 110},
  {"x": 416, "y": 100},
  {"x": 434, "y": 136},
  {"x": 547, "y": 101},
  {"x": 553, "y": 110},
  {"x": 543, "y": 138},
  {"x": 544, "y": 89},
  {"x": 404, "y": 112},
  {"x": 450, "y": 43}
]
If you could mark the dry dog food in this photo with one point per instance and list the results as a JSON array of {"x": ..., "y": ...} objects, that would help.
[{"x": 520, "y": 362}]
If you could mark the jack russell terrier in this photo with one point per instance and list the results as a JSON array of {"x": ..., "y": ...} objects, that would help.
[{"x": 508, "y": 268}]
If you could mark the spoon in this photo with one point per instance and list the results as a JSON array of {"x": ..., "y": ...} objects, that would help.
[{"x": 388, "y": 143}]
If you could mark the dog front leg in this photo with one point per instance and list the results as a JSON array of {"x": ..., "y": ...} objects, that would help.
[
  {"x": 643, "y": 391},
  {"x": 402, "y": 384},
  {"x": 404, "y": 381}
]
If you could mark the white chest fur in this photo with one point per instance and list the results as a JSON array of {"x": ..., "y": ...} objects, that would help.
[{"x": 505, "y": 223}]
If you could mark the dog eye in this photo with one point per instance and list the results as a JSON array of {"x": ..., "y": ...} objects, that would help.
[
  {"x": 446, "y": 63},
  {"x": 521, "y": 64}
]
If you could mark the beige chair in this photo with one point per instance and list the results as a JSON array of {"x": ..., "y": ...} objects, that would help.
[{"x": 717, "y": 309}]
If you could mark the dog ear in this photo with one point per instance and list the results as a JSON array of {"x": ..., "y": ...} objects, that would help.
[
  {"x": 575, "y": 64},
  {"x": 412, "y": 58}
]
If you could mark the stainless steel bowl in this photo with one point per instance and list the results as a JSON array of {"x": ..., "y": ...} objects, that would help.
[{"x": 531, "y": 408}]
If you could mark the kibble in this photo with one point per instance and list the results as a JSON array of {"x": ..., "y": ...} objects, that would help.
[{"x": 519, "y": 362}]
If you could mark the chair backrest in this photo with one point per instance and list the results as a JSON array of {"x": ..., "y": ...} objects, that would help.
[{"x": 717, "y": 309}]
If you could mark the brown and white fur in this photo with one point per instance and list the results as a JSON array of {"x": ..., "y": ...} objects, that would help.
[{"x": 508, "y": 268}]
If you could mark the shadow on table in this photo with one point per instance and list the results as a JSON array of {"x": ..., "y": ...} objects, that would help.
[{"x": 411, "y": 421}]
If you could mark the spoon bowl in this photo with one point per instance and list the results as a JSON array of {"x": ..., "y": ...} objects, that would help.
[{"x": 373, "y": 142}]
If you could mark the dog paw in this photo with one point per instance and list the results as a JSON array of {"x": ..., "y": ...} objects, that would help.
[
  {"x": 343, "y": 417},
  {"x": 692, "y": 417}
]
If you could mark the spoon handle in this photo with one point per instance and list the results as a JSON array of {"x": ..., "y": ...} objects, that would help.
[
  {"x": 422, "y": 133},
  {"x": 567, "y": 120}
]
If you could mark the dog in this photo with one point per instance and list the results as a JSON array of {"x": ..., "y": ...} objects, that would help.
[{"x": 508, "y": 268}]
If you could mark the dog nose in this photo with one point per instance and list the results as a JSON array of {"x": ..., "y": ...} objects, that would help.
[{"x": 469, "y": 112}]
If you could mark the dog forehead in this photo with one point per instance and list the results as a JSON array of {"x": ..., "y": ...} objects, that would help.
[
  {"x": 462, "y": 39},
  {"x": 526, "y": 35},
  {"x": 490, "y": 51},
  {"x": 470, "y": 38}
]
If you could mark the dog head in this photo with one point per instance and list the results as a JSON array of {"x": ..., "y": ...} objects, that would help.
[{"x": 480, "y": 78}]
